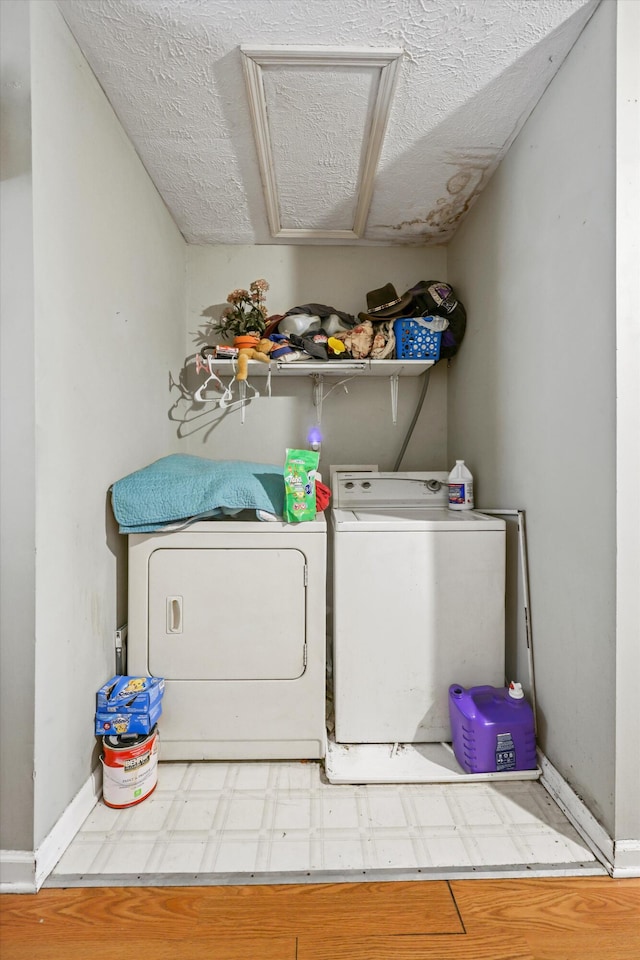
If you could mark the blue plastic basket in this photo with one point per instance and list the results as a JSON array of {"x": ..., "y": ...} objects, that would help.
[{"x": 414, "y": 341}]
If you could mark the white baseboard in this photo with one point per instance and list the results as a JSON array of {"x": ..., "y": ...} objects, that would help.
[
  {"x": 574, "y": 809},
  {"x": 621, "y": 858},
  {"x": 626, "y": 862},
  {"x": 59, "y": 838},
  {"x": 17, "y": 871},
  {"x": 24, "y": 871}
]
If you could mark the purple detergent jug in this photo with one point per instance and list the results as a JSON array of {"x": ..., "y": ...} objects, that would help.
[{"x": 493, "y": 729}]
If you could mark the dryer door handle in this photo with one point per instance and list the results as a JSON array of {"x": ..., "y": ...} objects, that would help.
[{"x": 174, "y": 614}]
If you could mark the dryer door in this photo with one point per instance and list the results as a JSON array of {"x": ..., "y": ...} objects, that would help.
[{"x": 227, "y": 614}]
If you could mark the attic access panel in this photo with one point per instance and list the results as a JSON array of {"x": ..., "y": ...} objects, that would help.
[{"x": 319, "y": 116}]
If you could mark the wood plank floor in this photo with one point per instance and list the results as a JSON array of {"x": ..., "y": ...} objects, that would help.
[{"x": 591, "y": 918}]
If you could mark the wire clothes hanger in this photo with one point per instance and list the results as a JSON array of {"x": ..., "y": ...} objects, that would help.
[
  {"x": 226, "y": 401},
  {"x": 206, "y": 363}
]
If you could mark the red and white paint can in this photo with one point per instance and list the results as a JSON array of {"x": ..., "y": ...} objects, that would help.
[{"x": 129, "y": 768}]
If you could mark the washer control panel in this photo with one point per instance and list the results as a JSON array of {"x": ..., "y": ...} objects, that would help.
[{"x": 379, "y": 490}]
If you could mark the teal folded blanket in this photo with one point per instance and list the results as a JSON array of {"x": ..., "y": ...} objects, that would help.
[{"x": 182, "y": 487}]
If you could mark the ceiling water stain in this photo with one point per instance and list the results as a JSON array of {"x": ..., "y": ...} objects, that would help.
[
  {"x": 458, "y": 182},
  {"x": 463, "y": 188}
]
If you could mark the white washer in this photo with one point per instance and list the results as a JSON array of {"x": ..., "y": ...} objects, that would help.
[
  {"x": 232, "y": 613},
  {"x": 419, "y": 603}
]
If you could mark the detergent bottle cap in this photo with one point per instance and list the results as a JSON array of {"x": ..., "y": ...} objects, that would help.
[{"x": 515, "y": 691}]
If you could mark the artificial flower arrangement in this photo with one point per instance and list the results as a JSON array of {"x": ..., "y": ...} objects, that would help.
[{"x": 246, "y": 313}]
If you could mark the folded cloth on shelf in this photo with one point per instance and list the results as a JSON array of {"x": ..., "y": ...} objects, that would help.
[{"x": 184, "y": 488}]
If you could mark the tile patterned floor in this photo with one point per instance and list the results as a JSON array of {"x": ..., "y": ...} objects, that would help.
[{"x": 247, "y": 819}]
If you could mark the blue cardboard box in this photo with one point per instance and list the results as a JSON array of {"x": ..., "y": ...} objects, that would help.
[
  {"x": 117, "y": 724},
  {"x": 129, "y": 694}
]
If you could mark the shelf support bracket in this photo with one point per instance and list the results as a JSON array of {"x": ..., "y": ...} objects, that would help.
[
  {"x": 242, "y": 392},
  {"x": 393, "y": 382},
  {"x": 318, "y": 392}
]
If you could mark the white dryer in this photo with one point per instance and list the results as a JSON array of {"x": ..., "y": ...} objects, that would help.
[
  {"x": 419, "y": 603},
  {"x": 232, "y": 614}
]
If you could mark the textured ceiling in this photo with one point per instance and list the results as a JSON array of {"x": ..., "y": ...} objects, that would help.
[{"x": 315, "y": 156}]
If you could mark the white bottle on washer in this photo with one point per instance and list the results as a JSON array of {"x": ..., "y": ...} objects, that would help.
[{"x": 460, "y": 488}]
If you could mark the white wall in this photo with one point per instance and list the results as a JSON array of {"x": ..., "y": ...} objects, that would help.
[
  {"x": 357, "y": 427},
  {"x": 17, "y": 437},
  {"x": 109, "y": 326},
  {"x": 532, "y": 396},
  {"x": 628, "y": 429}
]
